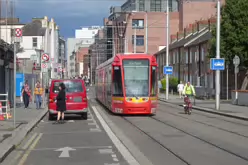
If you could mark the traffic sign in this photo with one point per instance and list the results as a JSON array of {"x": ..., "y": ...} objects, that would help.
[
  {"x": 18, "y": 32},
  {"x": 236, "y": 60},
  {"x": 45, "y": 57},
  {"x": 44, "y": 65},
  {"x": 168, "y": 70},
  {"x": 217, "y": 64}
]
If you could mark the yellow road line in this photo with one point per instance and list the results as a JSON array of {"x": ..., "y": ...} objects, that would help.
[
  {"x": 25, "y": 156},
  {"x": 24, "y": 148}
]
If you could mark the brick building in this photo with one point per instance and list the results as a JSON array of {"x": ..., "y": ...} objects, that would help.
[
  {"x": 130, "y": 23},
  {"x": 80, "y": 68}
]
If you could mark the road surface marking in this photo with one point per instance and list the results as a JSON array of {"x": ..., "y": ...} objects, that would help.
[
  {"x": 95, "y": 130},
  {"x": 30, "y": 140},
  {"x": 65, "y": 152},
  {"x": 122, "y": 149},
  {"x": 83, "y": 147},
  {"x": 105, "y": 151},
  {"x": 32, "y": 146},
  {"x": 114, "y": 158},
  {"x": 94, "y": 121},
  {"x": 72, "y": 132}
]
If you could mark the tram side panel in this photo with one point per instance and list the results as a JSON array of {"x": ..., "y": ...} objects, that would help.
[{"x": 108, "y": 87}]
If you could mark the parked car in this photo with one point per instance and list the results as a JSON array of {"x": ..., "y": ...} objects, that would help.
[{"x": 76, "y": 97}]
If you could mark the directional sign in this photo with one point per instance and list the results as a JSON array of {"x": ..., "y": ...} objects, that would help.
[
  {"x": 45, "y": 57},
  {"x": 65, "y": 152},
  {"x": 236, "y": 60},
  {"x": 168, "y": 70},
  {"x": 217, "y": 64}
]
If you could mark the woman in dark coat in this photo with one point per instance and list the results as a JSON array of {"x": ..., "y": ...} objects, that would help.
[{"x": 61, "y": 104}]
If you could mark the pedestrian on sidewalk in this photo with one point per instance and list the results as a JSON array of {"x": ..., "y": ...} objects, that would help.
[
  {"x": 38, "y": 91},
  {"x": 61, "y": 104},
  {"x": 25, "y": 94},
  {"x": 180, "y": 88}
]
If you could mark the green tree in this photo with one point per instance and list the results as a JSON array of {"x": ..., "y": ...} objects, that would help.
[{"x": 234, "y": 33}]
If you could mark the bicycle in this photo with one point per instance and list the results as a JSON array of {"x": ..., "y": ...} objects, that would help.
[{"x": 187, "y": 105}]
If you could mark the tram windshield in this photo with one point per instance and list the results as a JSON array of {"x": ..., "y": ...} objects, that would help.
[{"x": 136, "y": 77}]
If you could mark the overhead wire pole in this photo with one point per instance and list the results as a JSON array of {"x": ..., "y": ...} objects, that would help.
[
  {"x": 167, "y": 49},
  {"x": 146, "y": 19},
  {"x": 217, "y": 75}
]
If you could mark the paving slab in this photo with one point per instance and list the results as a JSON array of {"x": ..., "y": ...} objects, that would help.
[{"x": 11, "y": 136}]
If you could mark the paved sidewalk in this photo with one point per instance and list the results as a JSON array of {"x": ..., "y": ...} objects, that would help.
[
  {"x": 226, "y": 108},
  {"x": 26, "y": 119}
]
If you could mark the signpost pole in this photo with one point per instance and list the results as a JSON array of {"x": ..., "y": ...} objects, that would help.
[
  {"x": 18, "y": 35},
  {"x": 167, "y": 49},
  {"x": 14, "y": 101},
  {"x": 236, "y": 62},
  {"x": 227, "y": 80},
  {"x": 217, "y": 76}
]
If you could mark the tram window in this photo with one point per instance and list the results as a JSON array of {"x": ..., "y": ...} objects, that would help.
[
  {"x": 154, "y": 81},
  {"x": 117, "y": 82}
]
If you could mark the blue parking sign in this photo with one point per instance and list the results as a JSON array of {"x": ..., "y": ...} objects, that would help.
[
  {"x": 217, "y": 64},
  {"x": 168, "y": 70}
]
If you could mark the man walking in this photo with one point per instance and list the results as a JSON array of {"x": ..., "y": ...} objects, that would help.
[
  {"x": 180, "y": 88},
  {"x": 38, "y": 95}
]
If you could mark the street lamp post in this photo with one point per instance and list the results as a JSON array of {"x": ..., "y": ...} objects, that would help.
[
  {"x": 217, "y": 76},
  {"x": 146, "y": 19},
  {"x": 167, "y": 49}
]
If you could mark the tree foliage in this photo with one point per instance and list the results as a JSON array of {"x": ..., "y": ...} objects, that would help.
[{"x": 234, "y": 32}]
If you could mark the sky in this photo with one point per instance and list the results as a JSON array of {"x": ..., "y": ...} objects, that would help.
[{"x": 68, "y": 14}]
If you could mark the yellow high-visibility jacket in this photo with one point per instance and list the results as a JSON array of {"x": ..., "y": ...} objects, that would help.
[
  {"x": 189, "y": 90},
  {"x": 38, "y": 91}
]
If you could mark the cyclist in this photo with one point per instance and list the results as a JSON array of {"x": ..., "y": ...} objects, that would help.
[{"x": 189, "y": 90}]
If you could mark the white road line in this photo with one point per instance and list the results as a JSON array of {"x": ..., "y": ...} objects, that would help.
[
  {"x": 72, "y": 132},
  {"x": 114, "y": 158},
  {"x": 105, "y": 151},
  {"x": 122, "y": 149},
  {"x": 83, "y": 147}
]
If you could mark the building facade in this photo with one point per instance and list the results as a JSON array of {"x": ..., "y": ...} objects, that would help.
[{"x": 62, "y": 58}]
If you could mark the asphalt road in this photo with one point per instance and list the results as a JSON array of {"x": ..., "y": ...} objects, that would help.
[
  {"x": 169, "y": 138},
  {"x": 77, "y": 142},
  {"x": 172, "y": 137}
]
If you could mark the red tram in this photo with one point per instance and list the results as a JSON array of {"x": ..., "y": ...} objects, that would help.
[{"x": 127, "y": 84}]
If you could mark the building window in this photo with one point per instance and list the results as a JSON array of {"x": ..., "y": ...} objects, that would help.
[
  {"x": 141, "y": 5},
  {"x": 139, "y": 40},
  {"x": 156, "y": 5},
  {"x": 35, "y": 43},
  {"x": 138, "y": 23}
]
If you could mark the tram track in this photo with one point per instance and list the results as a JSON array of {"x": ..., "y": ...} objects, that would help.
[
  {"x": 206, "y": 124},
  {"x": 203, "y": 114},
  {"x": 201, "y": 139},
  {"x": 184, "y": 132},
  {"x": 154, "y": 139}
]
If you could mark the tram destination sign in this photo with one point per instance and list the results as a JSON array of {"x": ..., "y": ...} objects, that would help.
[{"x": 135, "y": 62}]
